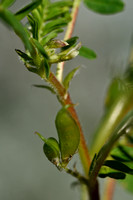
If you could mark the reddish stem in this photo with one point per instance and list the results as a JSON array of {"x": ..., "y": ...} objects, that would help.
[
  {"x": 69, "y": 32},
  {"x": 65, "y": 99}
]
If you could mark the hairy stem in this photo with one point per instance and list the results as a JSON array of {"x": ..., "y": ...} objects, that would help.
[
  {"x": 77, "y": 175},
  {"x": 68, "y": 35}
]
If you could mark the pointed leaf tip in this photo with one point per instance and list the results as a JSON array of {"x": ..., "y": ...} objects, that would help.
[
  {"x": 27, "y": 9},
  {"x": 105, "y": 6},
  {"x": 45, "y": 87},
  {"x": 7, "y": 3},
  {"x": 87, "y": 53},
  {"x": 69, "y": 77}
]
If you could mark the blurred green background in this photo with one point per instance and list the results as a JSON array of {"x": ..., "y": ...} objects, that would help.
[{"x": 25, "y": 173}]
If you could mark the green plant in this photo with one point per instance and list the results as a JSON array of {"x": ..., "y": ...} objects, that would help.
[{"x": 108, "y": 156}]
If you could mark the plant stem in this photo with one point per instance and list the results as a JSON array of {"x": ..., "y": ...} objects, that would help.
[
  {"x": 94, "y": 191},
  {"x": 84, "y": 192},
  {"x": 69, "y": 31},
  {"x": 109, "y": 189},
  {"x": 74, "y": 14},
  {"x": 64, "y": 98},
  {"x": 77, "y": 175}
]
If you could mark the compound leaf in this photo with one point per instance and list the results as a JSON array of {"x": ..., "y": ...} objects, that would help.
[{"x": 118, "y": 166}]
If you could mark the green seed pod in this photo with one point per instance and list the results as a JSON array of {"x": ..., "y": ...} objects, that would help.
[
  {"x": 51, "y": 149},
  {"x": 69, "y": 135}
]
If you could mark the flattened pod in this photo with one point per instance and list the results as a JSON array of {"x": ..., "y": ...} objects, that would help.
[
  {"x": 68, "y": 133},
  {"x": 52, "y": 150}
]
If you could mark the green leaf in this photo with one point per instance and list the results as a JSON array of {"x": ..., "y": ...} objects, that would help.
[
  {"x": 7, "y": 3},
  {"x": 30, "y": 19},
  {"x": 120, "y": 158},
  {"x": 87, "y": 53},
  {"x": 61, "y": 4},
  {"x": 47, "y": 68},
  {"x": 55, "y": 24},
  {"x": 108, "y": 172},
  {"x": 24, "y": 56},
  {"x": 72, "y": 41},
  {"x": 114, "y": 175},
  {"x": 128, "y": 182},
  {"x": 69, "y": 53},
  {"x": 34, "y": 25},
  {"x": 40, "y": 48},
  {"x": 56, "y": 12},
  {"x": 127, "y": 152},
  {"x": 36, "y": 15},
  {"x": 32, "y": 69},
  {"x": 92, "y": 163},
  {"x": 44, "y": 69},
  {"x": 45, "y": 87},
  {"x": 118, "y": 166},
  {"x": 69, "y": 77},
  {"x": 50, "y": 36},
  {"x": 105, "y": 6},
  {"x": 27, "y": 9},
  {"x": 11, "y": 20},
  {"x": 122, "y": 153}
]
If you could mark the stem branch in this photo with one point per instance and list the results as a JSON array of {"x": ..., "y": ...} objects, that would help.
[
  {"x": 77, "y": 175},
  {"x": 65, "y": 99}
]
